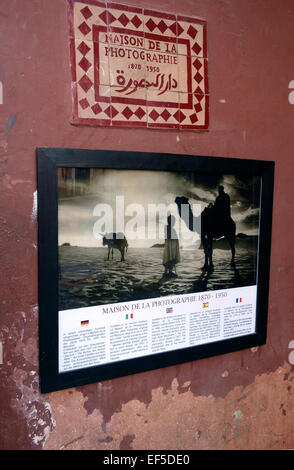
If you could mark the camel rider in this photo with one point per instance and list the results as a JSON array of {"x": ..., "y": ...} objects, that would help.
[{"x": 222, "y": 204}]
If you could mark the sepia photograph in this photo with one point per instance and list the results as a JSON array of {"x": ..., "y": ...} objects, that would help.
[{"x": 126, "y": 235}]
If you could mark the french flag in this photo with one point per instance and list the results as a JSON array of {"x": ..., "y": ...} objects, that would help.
[{"x": 238, "y": 300}]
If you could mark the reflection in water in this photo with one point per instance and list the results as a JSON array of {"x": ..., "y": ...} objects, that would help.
[
  {"x": 238, "y": 278},
  {"x": 200, "y": 285},
  {"x": 87, "y": 278}
]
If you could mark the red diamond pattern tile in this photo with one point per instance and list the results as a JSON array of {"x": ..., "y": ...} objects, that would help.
[
  {"x": 179, "y": 116},
  {"x": 198, "y": 77},
  {"x": 123, "y": 19},
  {"x": 136, "y": 21},
  {"x": 96, "y": 108},
  {"x": 107, "y": 17},
  {"x": 85, "y": 83},
  {"x": 84, "y": 28},
  {"x": 199, "y": 97},
  {"x": 111, "y": 111},
  {"x": 83, "y": 48},
  {"x": 198, "y": 107},
  {"x": 197, "y": 64},
  {"x": 179, "y": 30},
  {"x": 127, "y": 112},
  {"x": 193, "y": 118},
  {"x": 114, "y": 111},
  {"x": 108, "y": 111},
  {"x": 103, "y": 16},
  {"x": 86, "y": 12},
  {"x": 162, "y": 26},
  {"x": 154, "y": 115},
  {"x": 84, "y": 103},
  {"x": 140, "y": 113},
  {"x": 173, "y": 28},
  {"x": 85, "y": 64},
  {"x": 196, "y": 48},
  {"x": 150, "y": 24},
  {"x": 192, "y": 32},
  {"x": 110, "y": 18},
  {"x": 198, "y": 91},
  {"x": 165, "y": 115}
]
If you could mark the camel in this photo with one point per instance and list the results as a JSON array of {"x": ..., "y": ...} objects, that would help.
[{"x": 211, "y": 227}]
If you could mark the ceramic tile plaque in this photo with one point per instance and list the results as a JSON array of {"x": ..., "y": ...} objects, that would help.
[{"x": 137, "y": 67}]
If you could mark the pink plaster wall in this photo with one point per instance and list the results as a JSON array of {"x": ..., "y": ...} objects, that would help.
[{"x": 241, "y": 400}]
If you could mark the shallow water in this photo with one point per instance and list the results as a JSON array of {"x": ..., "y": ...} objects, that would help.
[{"x": 88, "y": 278}]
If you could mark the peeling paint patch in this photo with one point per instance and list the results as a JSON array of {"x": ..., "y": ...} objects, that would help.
[
  {"x": 75, "y": 430},
  {"x": 38, "y": 415},
  {"x": 28, "y": 350},
  {"x": 185, "y": 387},
  {"x": 126, "y": 442},
  {"x": 291, "y": 355},
  {"x": 106, "y": 439},
  {"x": 8, "y": 127},
  {"x": 177, "y": 419},
  {"x": 238, "y": 414},
  {"x": 3, "y": 145},
  {"x": 35, "y": 206}
]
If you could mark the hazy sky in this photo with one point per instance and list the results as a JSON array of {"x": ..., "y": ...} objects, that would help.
[{"x": 128, "y": 198}]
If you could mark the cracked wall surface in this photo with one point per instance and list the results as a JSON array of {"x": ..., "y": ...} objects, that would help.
[
  {"x": 241, "y": 400},
  {"x": 257, "y": 416}
]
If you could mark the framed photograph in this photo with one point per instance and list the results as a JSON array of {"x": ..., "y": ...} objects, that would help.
[{"x": 148, "y": 260}]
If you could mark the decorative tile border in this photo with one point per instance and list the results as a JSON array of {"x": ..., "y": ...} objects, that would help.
[{"x": 137, "y": 67}]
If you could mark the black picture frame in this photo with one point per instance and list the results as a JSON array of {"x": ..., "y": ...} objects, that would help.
[{"x": 48, "y": 162}]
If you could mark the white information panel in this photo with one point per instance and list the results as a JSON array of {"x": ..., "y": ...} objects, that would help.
[{"x": 97, "y": 335}]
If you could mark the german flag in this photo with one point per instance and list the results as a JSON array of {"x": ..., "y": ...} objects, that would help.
[{"x": 85, "y": 322}]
